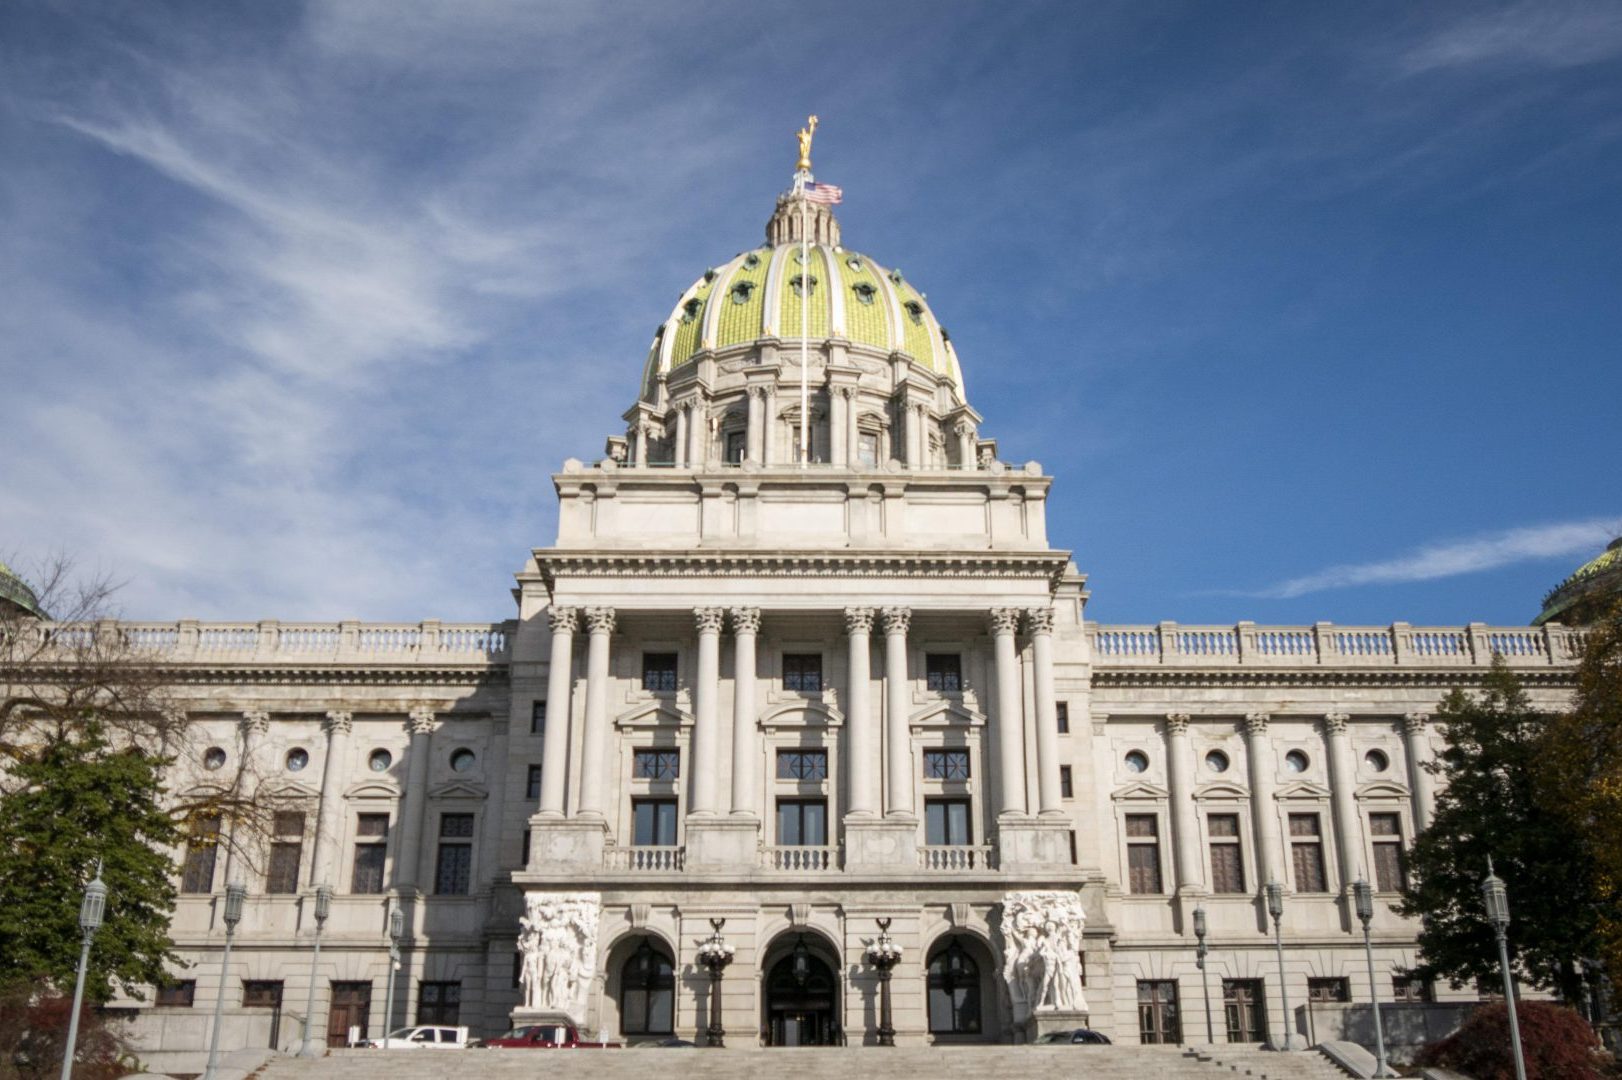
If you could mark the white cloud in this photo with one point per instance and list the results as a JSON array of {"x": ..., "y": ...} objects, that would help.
[{"x": 1542, "y": 33}]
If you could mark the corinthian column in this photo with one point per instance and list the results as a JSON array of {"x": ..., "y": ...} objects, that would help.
[
  {"x": 1413, "y": 733},
  {"x": 593, "y": 784},
  {"x": 1259, "y": 751},
  {"x": 1342, "y": 796},
  {"x": 706, "y": 738},
  {"x": 1040, "y": 623},
  {"x": 421, "y": 727},
  {"x": 897, "y": 732},
  {"x": 555, "y": 736},
  {"x": 1180, "y": 777},
  {"x": 681, "y": 436},
  {"x": 1010, "y": 767},
  {"x": 329, "y": 817},
  {"x": 253, "y": 727},
  {"x": 860, "y": 737},
  {"x": 745, "y": 625}
]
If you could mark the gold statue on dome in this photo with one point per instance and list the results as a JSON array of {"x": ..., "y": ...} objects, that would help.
[{"x": 805, "y": 135}]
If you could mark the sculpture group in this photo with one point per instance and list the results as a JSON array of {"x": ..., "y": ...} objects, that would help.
[
  {"x": 557, "y": 940},
  {"x": 1042, "y": 936}
]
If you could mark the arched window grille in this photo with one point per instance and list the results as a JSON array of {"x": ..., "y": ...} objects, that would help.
[
  {"x": 647, "y": 992},
  {"x": 954, "y": 992}
]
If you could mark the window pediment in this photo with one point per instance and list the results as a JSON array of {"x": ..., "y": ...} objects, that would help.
[
  {"x": 801, "y": 714},
  {"x": 654, "y": 714},
  {"x": 947, "y": 713},
  {"x": 459, "y": 789},
  {"x": 288, "y": 789},
  {"x": 1220, "y": 790},
  {"x": 372, "y": 789},
  {"x": 1140, "y": 791},
  {"x": 1301, "y": 789},
  {"x": 1382, "y": 789}
]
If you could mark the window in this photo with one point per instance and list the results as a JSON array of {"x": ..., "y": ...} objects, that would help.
[
  {"x": 380, "y": 760},
  {"x": 371, "y": 850},
  {"x": 1227, "y": 859},
  {"x": 1216, "y": 761},
  {"x": 656, "y": 764},
  {"x": 659, "y": 671},
  {"x": 867, "y": 449},
  {"x": 1244, "y": 1002},
  {"x": 439, "y": 1003},
  {"x": 1377, "y": 761},
  {"x": 943, "y": 672},
  {"x": 946, "y": 764},
  {"x": 653, "y": 822},
  {"x": 1136, "y": 761},
  {"x": 1390, "y": 864},
  {"x": 737, "y": 447},
  {"x": 462, "y": 760},
  {"x": 954, "y": 992},
  {"x": 1158, "y": 1021},
  {"x": 802, "y": 672},
  {"x": 802, "y": 822},
  {"x": 1410, "y": 989},
  {"x": 177, "y": 995},
  {"x": 865, "y": 292},
  {"x": 197, "y": 875},
  {"x": 454, "y": 873},
  {"x": 1326, "y": 991},
  {"x": 532, "y": 783},
  {"x": 523, "y": 853},
  {"x": 518, "y": 970},
  {"x": 537, "y": 718},
  {"x": 1067, "y": 787},
  {"x": 1143, "y": 855},
  {"x": 946, "y": 821},
  {"x": 1307, "y": 854},
  {"x": 297, "y": 759},
  {"x": 261, "y": 994},
  {"x": 1296, "y": 762},
  {"x": 647, "y": 992},
  {"x": 802, "y": 764},
  {"x": 214, "y": 758},
  {"x": 1062, "y": 711},
  {"x": 285, "y": 852}
]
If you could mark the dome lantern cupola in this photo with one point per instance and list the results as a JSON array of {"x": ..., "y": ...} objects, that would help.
[{"x": 797, "y": 218}]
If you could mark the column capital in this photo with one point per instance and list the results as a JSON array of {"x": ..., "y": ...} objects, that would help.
[
  {"x": 745, "y": 620},
  {"x": 339, "y": 723},
  {"x": 709, "y": 619},
  {"x": 859, "y": 620},
  {"x": 1335, "y": 722},
  {"x": 1177, "y": 723},
  {"x": 565, "y": 620},
  {"x": 1256, "y": 724},
  {"x": 600, "y": 620},
  {"x": 1039, "y": 620},
  {"x": 1004, "y": 620},
  {"x": 1414, "y": 723},
  {"x": 897, "y": 620},
  {"x": 256, "y": 722},
  {"x": 421, "y": 721}
]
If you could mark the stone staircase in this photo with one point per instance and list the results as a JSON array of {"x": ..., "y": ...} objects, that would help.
[{"x": 818, "y": 1063}]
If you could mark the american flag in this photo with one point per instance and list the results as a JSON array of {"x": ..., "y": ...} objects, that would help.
[{"x": 826, "y": 194}]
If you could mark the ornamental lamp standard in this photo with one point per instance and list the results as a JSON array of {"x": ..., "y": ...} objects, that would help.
[
  {"x": 884, "y": 954},
  {"x": 1275, "y": 908},
  {"x": 714, "y": 954},
  {"x": 91, "y": 910},
  {"x": 1496, "y": 897},
  {"x": 323, "y": 908},
  {"x": 1201, "y": 950},
  {"x": 1363, "y": 898},
  {"x": 396, "y": 931},
  {"x": 235, "y": 894}
]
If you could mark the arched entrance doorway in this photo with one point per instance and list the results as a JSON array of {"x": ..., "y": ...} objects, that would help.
[{"x": 802, "y": 995}]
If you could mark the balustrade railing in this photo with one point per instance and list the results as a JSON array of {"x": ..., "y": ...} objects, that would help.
[
  {"x": 268, "y": 642},
  {"x": 1397, "y": 645},
  {"x": 955, "y": 857},
  {"x": 645, "y": 858},
  {"x": 798, "y": 857}
]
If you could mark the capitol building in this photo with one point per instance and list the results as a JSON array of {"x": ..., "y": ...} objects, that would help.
[{"x": 803, "y": 674}]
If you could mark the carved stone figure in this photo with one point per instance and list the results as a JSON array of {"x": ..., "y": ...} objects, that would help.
[
  {"x": 805, "y": 135},
  {"x": 1042, "y": 937},
  {"x": 557, "y": 940}
]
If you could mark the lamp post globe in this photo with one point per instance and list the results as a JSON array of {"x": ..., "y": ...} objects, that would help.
[
  {"x": 884, "y": 954},
  {"x": 1495, "y": 898},
  {"x": 91, "y": 910},
  {"x": 714, "y": 954}
]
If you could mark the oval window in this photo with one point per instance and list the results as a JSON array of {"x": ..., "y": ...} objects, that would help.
[
  {"x": 1216, "y": 761},
  {"x": 380, "y": 760},
  {"x": 213, "y": 758},
  {"x": 751, "y": 261},
  {"x": 297, "y": 758},
  {"x": 462, "y": 760},
  {"x": 1377, "y": 760},
  {"x": 1295, "y": 761},
  {"x": 1136, "y": 761}
]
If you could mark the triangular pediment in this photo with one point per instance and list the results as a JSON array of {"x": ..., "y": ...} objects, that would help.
[
  {"x": 459, "y": 789},
  {"x": 1382, "y": 789},
  {"x": 1221, "y": 789},
  {"x": 653, "y": 714},
  {"x": 1301, "y": 789},
  {"x": 801, "y": 714},
  {"x": 1139, "y": 790},
  {"x": 288, "y": 789},
  {"x": 939, "y": 713}
]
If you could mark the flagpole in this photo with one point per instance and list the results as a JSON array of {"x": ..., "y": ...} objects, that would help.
[{"x": 805, "y": 328}]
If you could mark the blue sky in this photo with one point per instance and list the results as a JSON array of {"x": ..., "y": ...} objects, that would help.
[{"x": 1312, "y": 310}]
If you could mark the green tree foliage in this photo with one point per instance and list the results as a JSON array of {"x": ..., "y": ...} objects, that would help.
[
  {"x": 1557, "y": 1044},
  {"x": 73, "y": 800},
  {"x": 1490, "y": 805}
]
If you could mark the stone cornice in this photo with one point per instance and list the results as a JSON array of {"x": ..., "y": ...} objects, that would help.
[{"x": 552, "y": 564}]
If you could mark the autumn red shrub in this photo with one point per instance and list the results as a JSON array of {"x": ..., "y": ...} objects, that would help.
[
  {"x": 34, "y": 1034},
  {"x": 1557, "y": 1042}
]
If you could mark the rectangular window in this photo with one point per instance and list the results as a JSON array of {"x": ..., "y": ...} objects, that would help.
[
  {"x": 371, "y": 851},
  {"x": 1062, "y": 710},
  {"x": 1390, "y": 864},
  {"x": 802, "y": 672},
  {"x": 439, "y": 1003},
  {"x": 653, "y": 822},
  {"x": 197, "y": 876},
  {"x": 454, "y": 873},
  {"x": 523, "y": 852},
  {"x": 659, "y": 671},
  {"x": 282, "y": 875},
  {"x": 537, "y": 718},
  {"x": 656, "y": 764},
  {"x": 1410, "y": 989},
  {"x": 867, "y": 449},
  {"x": 532, "y": 783},
  {"x": 802, "y": 764},
  {"x": 946, "y": 764},
  {"x": 177, "y": 995},
  {"x": 1227, "y": 857},
  {"x": 802, "y": 822},
  {"x": 943, "y": 672},
  {"x": 737, "y": 447},
  {"x": 1326, "y": 991},
  {"x": 1067, "y": 786},
  {"x": 261, "y": 994},
  {"x": 1307, "y": 854},
  {"x": 1245, "y": 1003},
  {"x": 946, "y": 821},
  {"x": 1143, "y": 855},
  {"x": 1158, "y": 1021}
]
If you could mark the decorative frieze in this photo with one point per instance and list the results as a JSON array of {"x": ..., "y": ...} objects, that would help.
[{"x": 557, "y": 943}]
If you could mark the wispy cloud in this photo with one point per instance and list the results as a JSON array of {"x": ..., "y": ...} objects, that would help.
[
  {"x": 1454, "y": 557},
  {"x": 1540, "y": 33}
]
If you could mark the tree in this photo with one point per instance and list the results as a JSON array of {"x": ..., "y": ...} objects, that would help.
[
  {"x": 1491, "y": 804},
  {"x": 1557, "y": 1043}
]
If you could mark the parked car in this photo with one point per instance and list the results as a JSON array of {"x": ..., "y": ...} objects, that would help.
[
  {"x": 669, "y": 1042},
  {"x": 1075, "y": 1035},
  {"x": 545, "y": 1037},
  {"x": 423, "y": 1037}
]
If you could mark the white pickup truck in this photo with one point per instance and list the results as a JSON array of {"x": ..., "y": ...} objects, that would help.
[{"x": 422, "y": 1037}]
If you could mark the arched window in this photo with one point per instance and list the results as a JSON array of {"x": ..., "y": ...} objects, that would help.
[
  {"x": 954, "y": 992},
  {"x": 647, "y": 992}
]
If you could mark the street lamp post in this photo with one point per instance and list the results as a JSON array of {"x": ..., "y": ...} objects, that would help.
[
  {"x": 884, "y": 954},
  {"x": 1363, "y": 896},
  {"x": 715, "y": 954},
  {"x": 323, "y": 908},
  {"x": 396, "y": 931},
  {"x": 1275, "y": 908},
  {"x": 235, "y": 894},
  {"x": 1496, "y": 897},
  {"x": 91, "y": 911},
  {"x": 1201, "y": 950}
]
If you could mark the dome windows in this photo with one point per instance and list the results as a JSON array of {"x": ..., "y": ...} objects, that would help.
[
  {"x": 690, "y": 310},
  {"x": 865, "y": 292},
  {"x": 895, "y": 276},
  {"x": 751, "y": 261},
  {"x": 855, "y": 263},
  {"x": 742, "y": 290},
  {"x": 797, "y": 283},
  {"x": 915, "y": 312}
]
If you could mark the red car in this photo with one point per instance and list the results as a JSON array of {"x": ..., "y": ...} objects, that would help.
[{"x": 546, "y": 1037}]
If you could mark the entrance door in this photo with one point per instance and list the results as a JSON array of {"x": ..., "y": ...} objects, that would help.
[
  {"x": 801, "y": 1001},
  {"x": 351, "y": 1005},
  {"x": 1245, "y": 1004},
  {"x": 263, "y": 994}
]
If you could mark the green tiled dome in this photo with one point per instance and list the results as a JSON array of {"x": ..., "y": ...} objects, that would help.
[
  {"x": 1585, "y": 595},
  {"x": 15, "y": 594}
]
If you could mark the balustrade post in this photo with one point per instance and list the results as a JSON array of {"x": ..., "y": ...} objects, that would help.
[
  {"x": 1480, "y": 643},
  {"x": 1323, "y": 642},
  {"x": 1244, "y": 641},
  {"x": 1402, "y": 643},
  {"x": 1169, "y": 645}
]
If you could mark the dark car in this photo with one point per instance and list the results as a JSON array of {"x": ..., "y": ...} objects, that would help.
[
  {"x": 1077, "y": 1035},
  {"x": 668, "y": 1043}
]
